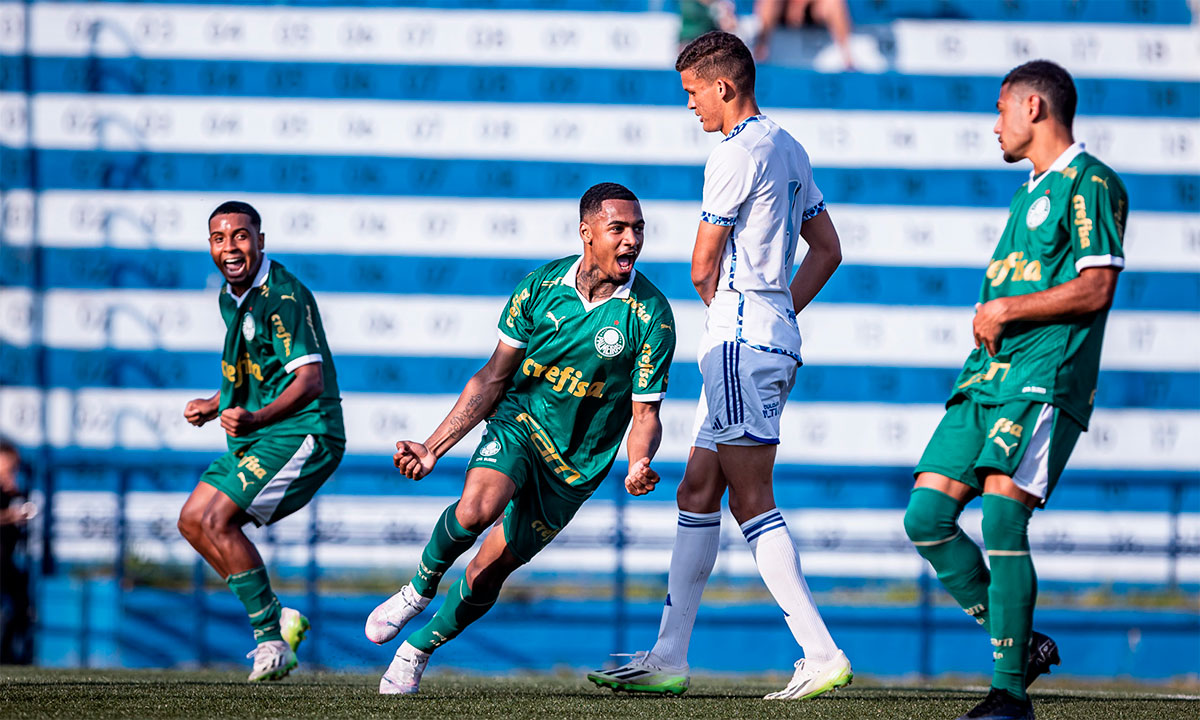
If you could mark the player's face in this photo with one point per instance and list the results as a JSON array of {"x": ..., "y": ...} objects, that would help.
[
  {"x": 704, "y": 99},
  {"x": 1014, "y": 126},
  {"x": 615, "y": 236},
  {"x": 236, "y": 248}
]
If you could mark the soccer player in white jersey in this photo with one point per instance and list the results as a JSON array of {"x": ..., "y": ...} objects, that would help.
[{"x": 759, "y": 199}]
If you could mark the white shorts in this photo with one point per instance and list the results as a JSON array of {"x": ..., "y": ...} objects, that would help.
[{"x": 743, "y": 395}]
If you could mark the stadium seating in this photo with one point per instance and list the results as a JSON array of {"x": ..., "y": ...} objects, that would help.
[{"x": 413, "y": 160}]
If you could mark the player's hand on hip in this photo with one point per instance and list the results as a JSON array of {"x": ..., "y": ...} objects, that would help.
[
  {"x": 238, "y": 421},
  {"x": 641, "y": 478},
  {"x": 413, "y": 459},
  {"x": 988, "y": 324},
  {"x": 200, "y": 411}
]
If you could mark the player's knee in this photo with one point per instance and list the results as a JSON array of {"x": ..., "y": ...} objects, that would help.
[
  {"x": 1005, "y": 523},
  {"x": 931, "y": 516},
  {"x": 474, "y": 516},
  {"x": 699, "y": 497},
  {"x": 189, "y": 524}
]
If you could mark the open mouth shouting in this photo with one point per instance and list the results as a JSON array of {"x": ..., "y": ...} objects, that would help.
[
  {"x": 234, "y": 267},
  {"x": 625, "y": 261}
]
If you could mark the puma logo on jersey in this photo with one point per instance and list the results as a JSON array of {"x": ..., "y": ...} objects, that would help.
[
  {"x": 288, "y": 297},
  {"x": 554, "y": 320},
  {"x": 1007, "y": 448},
  {"x": 665, "y": 326},
  {"x": 245, "y": 483}
]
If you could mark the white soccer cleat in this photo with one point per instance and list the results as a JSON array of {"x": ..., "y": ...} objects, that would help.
[
  {"x": 273, "y": 660},
  {"x": 386, "y": 620},
  {"x": 403, "y": 676},
  {"x": 645, "y": 673},
  {"x": 812, "y": 679}
]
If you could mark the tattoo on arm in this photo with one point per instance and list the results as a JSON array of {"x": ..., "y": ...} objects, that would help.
[{"x": 462, "y": 421}]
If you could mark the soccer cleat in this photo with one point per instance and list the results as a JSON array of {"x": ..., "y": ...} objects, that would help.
[
  {"x": 999, "y": 705},
  {"x": 812, "y": 679},
  {"x": 293, "y": 626},
  {"x": 403, "y": 676},
  {"x": 273, "y": 660},
  {"x": 386, "y": 620},
  {"x": 1043, "y": 652},
  {"x": 645, "y": 673}
]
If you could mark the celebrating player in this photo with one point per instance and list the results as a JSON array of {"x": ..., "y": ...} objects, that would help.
[
  {"x": 758, "y": 192},
  {"x": 585, "y": 345},
  {"x": 280, "y": 409},
  {"x": 1026, "y": 391}
]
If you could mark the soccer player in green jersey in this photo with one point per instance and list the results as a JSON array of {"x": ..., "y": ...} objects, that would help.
[
  {"x": 1026, "y": 391},
  {"x": 282, "y": 416},
  {"x": 585, "y": 346}
]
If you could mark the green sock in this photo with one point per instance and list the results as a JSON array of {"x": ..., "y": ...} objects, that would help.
[
  {"x": 463, "y": 606},
  {"x": 449, "y": 541},
  {"x": 254, "y": 590},
  {"x": 931, "y": 522},
  {"x": 1013, "y": 590}
]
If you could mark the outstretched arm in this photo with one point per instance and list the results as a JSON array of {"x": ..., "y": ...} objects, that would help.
[
  {"x": 478, "y": 399},
  {"x": 645, "y": 435},
  {"x": 1091, "y": 292},
  {"x": 307, "y": 385},
  {"x": 824, "y": 255}
]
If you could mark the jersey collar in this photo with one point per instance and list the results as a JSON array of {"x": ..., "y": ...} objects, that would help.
[
  {"x": 263, "y": 270},
  {"x": 569, "y": 280},
  {"x": 1059, "y": 163},
  {"x": 742, "y": 126}
]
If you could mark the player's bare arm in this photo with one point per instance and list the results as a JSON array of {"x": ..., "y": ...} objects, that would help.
[
  {"x": 307, "y": 385},
  {"x": 201, "y": 410},
  {"x": 824, "y": 256},
  {"x": 706, "y": 258},
  {"x": 1091, "y": 292},
  {"x": 477, "y": 400},
  {"x": 645, "y": 435}
]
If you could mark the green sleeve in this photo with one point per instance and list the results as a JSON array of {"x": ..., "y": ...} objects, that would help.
[
  {"x": 516, "y": 322},
  {"x": 293, "y": 323},
  {"x": 654, "y": 356},
  {"x": 1099, "y": 208}
]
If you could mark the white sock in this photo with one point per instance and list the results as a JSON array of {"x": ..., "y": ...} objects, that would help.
[
  {"x": 697, "y": 539},
  {"x": 775, "y": 555}
]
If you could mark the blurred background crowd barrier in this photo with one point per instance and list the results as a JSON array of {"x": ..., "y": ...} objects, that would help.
[{"x": 413, "y": 160}]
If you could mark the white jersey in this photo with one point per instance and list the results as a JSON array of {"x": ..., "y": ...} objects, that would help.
[{"x": 760, "y": 182}]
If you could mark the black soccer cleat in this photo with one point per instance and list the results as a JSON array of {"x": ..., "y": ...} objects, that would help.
[
  {"x": 1043, "y": 652},
  {"x": 999, "y": 705}
]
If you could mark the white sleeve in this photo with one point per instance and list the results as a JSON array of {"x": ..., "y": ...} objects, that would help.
[
  {"x": 728, "y": 178},
  {"x": 814, "y": 199}
]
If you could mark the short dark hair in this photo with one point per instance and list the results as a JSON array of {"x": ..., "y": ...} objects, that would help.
[
  {"x": 237, "y": 207},
  {"x": 1052, "y": 83},
  {"x": 595, "y": 196},
  {"x": 719, "y": 54},
  {"x": 8, "y": 448}
]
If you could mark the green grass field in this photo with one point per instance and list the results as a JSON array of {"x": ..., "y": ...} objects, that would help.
[{"x": 34, "y": 693}]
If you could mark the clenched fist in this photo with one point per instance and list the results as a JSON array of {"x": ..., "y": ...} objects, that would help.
[
  {"x": 641, "y": 478},
  {"x": 413, "y": 459},
  {"x": 201, "y": 410}
]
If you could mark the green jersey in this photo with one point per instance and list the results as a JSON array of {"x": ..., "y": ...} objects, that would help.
[
  {"x": 269, "y": 332},
  {"x": 584, "y": 365},
  {"x": 1069, "y": 219}
]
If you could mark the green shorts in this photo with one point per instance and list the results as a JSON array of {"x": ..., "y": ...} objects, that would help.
[
  {"x": 1025, "y": 440},
  {"x": 275, "y": 476},
  {"x": 543, "y": 504}
]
